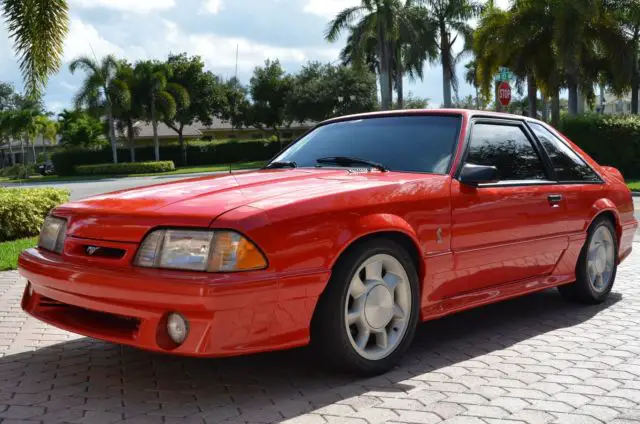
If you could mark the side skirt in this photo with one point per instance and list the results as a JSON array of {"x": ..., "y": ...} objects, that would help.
[{"x": 492, "y": 295}]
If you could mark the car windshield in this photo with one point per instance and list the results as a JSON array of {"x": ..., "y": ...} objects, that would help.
[{"x": 398, "y": 143}]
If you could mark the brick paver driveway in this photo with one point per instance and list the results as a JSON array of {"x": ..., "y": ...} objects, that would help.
[{"x": 534, "y": 360}]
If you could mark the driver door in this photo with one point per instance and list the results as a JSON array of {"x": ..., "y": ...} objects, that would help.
[{"x": 512, "y": 229}]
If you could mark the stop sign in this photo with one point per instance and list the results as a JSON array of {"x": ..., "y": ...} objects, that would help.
[{"x": 504, "y": 93}]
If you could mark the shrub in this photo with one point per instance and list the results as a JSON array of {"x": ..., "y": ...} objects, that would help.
[
  {"x": 612, "y": 140},
  {"x": 18, "y": 171},
  {"x": 125, "y": 168},
  {"x": 22, "y": 210},
  {"x": 198, "y": 153}
]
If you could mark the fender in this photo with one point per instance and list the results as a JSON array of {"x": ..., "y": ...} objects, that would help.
[
  {"x": 377, "y": 223},
  {"x": 604, "y": 205}
]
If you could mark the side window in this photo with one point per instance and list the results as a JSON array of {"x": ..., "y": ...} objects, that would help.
[
  {"x": 507, "y": 148},
  {"x": 568, "y": 166}
]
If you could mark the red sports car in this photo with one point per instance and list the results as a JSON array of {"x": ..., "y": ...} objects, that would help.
[{"x": 349, "y": 238}]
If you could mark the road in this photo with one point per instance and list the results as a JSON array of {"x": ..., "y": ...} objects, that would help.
[{"x": 82, "y": 189}]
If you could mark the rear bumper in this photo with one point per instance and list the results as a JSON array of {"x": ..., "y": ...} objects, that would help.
[
  {"x": 626, "y": 239},
  {"x": 228, "y": 314}
]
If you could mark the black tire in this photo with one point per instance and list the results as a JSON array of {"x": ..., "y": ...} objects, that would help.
[
  {"x": 329, "y": 338},
  {"x": 582, "y": 291}
]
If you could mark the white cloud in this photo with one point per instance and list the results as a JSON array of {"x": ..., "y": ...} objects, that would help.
[
  {"x": 329, "y": 8},
  {"x": 84, "y": 39},
  {"x": 211, "y": 6},
  {"x": 220, "y": 52},
  {"x": 68, "y": 86},
  {"x": 136, "y": 6}
]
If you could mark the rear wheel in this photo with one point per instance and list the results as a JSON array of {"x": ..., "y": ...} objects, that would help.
[
  {"x": 597, "y": 265},
  {"x": 367, "y": 316}
]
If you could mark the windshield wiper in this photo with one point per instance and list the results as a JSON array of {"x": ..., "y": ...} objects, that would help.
[
  {"x": 281, "y": 164},
  {"x": 347, "y": 160}
]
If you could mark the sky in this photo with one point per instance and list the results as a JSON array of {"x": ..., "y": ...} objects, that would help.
[{"x": 289, "y": 30}]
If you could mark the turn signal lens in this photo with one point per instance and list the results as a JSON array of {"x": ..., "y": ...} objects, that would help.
[
  {"x": 232, "y": 252},
  {"x": 199, "y": 250}
]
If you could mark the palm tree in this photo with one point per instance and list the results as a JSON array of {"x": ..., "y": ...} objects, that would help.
[
  {"x": 6, "y": 133},
  {"x": 48, "y": 130},
  {"x": 129, "y": 113},
  {"x": 471, "y": 77},
  {"x": 38, "y": 29},
  {"x": 159, "y": 97},
  {"x": 101, "y": 91},
  {"x": 451, "y": 18},
  {"x": 373, "y": 17},
  {"x": 412, "y": 42}
]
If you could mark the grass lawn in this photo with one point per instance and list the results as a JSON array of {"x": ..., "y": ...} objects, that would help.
[
  {"x": 178, "y": 171},
  {"x": 634, "y": 185},
  {"x": 9, "y": 251}
]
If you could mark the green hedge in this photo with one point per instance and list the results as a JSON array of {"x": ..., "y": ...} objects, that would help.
[
  {"x": 125, "y": 168},
  {"x": 612, "y": 140},
  {"x": 198, "y": 153},
  {"x": 18, "y": 171},
  {"x": 22, "y": 210}
]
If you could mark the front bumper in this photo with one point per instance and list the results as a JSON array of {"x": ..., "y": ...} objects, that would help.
[{"x": 228, "y": 314}]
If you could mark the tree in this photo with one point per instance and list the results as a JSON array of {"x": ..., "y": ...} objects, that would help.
[
  {"x": 48, "y": 130},
  {"x": 412, "y": 102},
  {"x": 236, "y": 103},
  {"x": 101, "y": 91},
  {"x": 38, "y": 29},
  {"x": 206, "y": 102},
  {"x": 78, "y": 128},
  {"x": 321, "y": 91},
  {"x": 627, "y": 14},
  {"x": 128, "y": 112},
  {"x": 451, "y": 18},
  {"x": 270, "y": 89},
  {"x": 160, "y": 97},
  {"x": 374, "y": 17},
  {"x": 392, "y": 38},
  {"x": 6, "y": 133}
]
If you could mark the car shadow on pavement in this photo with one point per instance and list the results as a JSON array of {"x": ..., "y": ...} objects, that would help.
[{"x": 88, "y": 379}]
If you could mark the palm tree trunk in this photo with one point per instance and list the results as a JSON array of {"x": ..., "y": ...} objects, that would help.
[
  {"x": 154, "y": 123},
  {"x": 399, "y": 82},
  {"x": 573, "y": 96},
  {"x": 545, "y": 108},
  {"x": 13, "y": 156},
  {"x": 33, "y": 149},
  {"x": 532, "y": 92},
  {"x": 132, "y": 143},
  {"x": 112, "y": 136},
  {"x": 555, "y": 109},
  {"x": 24, "y": 156},
  {"x": 183, "y": 147},
  {"x": 635, "y": 84},
  {"x": 445, "y": 58},
  {"x": 602, "y": 100},
  {"x": 477, "y": 97},
  {"x": 385, "y": 69}
]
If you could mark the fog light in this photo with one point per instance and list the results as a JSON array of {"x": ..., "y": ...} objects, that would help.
[{"x": 177, "y": 327}]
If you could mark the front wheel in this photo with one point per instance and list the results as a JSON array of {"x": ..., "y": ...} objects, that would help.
[
  {"x": 597, "y": 265},
  {"x": 367, "y": 317}
]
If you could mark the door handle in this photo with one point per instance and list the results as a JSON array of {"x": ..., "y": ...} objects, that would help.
[{"x": 554, "y": 199}]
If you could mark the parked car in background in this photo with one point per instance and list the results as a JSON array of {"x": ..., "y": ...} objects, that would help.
[
  {"x": 46, "y": 168},
  {"x": 363, "y": 228}
]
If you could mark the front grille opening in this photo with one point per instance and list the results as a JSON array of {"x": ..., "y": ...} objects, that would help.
[
  {"x": 103, "y": 252},
  {"x": 86, "y": 320}
]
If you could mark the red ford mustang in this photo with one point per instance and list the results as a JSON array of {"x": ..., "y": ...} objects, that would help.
[{"x": 361, "y": 229}]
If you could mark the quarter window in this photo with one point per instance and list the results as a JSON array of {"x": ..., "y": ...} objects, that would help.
[
  {"x": 568, "y": 166},
  {"x": 507, "y": 148}
]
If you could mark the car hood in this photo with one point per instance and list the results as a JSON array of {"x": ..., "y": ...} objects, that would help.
[{"x": 126, "y": 216}]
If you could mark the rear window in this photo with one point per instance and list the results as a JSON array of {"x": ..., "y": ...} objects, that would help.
[{"x": 401, "y": 143}]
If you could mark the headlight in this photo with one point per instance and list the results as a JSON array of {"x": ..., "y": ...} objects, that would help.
[
  {"x": 52, "y": 234},
  {"x": 199, "y": 250}
]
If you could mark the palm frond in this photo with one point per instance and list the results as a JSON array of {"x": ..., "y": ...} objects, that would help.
[
  {"x": 166, "y": 105},
  {"x": 343, "y": 20},
  {"x": 38, "y": 29}
]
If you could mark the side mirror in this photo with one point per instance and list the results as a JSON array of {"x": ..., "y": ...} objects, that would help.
[{"x": 478, "y": 174}]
